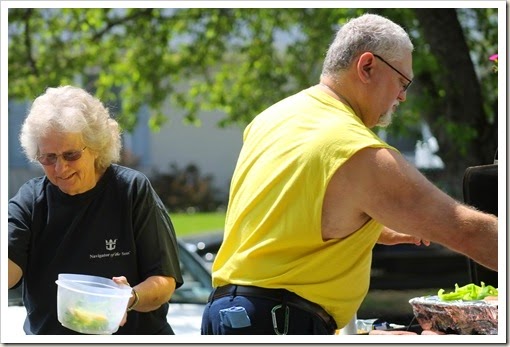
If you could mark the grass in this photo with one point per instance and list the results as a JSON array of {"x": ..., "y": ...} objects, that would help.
[{"x": 194, "y": 223}]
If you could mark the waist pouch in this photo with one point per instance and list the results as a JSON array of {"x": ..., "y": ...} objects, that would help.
[{"x": 280, "y": 295}]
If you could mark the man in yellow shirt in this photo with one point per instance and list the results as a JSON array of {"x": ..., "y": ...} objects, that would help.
[{"x": 314, "y": 189}]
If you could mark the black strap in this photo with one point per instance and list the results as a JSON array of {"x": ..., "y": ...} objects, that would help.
[{"x": 279, "y": 295}]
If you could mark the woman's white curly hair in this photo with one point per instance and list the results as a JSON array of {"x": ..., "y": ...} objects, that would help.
[{"x": 69, "y": 109}]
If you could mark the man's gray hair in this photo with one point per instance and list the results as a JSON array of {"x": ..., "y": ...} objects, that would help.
[
  {"x": 69, "y": 109},
  {"x": 367, "y": 33}
]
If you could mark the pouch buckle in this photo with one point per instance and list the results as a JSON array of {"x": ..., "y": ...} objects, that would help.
[{"x": 275, "y": 322}]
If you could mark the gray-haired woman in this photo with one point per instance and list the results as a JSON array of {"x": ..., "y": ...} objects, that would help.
[{"x": 87, "y": 215}]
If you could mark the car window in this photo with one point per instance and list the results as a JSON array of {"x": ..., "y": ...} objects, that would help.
[{"x": 197, "y": 279}]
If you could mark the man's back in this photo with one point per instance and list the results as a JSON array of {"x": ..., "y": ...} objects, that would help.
[{"x": 273, "y": 235}]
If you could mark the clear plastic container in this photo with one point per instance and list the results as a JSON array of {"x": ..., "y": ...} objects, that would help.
[{"x": 91, "y": 304}]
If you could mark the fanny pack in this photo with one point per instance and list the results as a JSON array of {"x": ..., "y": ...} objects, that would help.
[{"x": 280, "y": 295}]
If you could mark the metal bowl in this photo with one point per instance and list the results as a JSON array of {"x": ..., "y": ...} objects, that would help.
[{"x": 476, "y": 317}]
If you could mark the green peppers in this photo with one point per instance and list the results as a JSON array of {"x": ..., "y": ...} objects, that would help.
[{"x": 468, "y": 292}]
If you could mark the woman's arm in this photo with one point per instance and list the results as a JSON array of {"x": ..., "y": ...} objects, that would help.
[
  {"x": 152, "y": 293},
  {"x": 15, "y": 273}
]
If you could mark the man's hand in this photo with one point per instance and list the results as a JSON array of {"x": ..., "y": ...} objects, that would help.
[{"x": 390, "y": 237}]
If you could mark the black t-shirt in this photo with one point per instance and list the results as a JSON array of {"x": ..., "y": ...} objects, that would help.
[{"x": 118, "y": 228}]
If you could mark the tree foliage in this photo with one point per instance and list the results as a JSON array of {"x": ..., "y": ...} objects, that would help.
[
  {"x": 456, "y": 89},
  {"x": 200, "y": 59},
  {"x": 240, "y": 61}
]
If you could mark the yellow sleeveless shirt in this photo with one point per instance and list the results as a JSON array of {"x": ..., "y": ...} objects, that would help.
[{"x": 273, "y": 225}]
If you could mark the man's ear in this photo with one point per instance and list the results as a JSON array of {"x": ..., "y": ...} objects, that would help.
[{"x": 365, "y": 66}]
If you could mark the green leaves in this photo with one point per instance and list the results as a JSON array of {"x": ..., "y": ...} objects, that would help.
[
  {"x": 205, "y": 59},
  {"x": 236, "y": 60},
  {"x": 468, "y": 292}
]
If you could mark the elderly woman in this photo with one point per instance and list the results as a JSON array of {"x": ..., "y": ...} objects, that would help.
[{"x": 87, "y": 215}]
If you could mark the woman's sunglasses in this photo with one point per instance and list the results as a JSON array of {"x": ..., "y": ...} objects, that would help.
[{"x": 51, "y": 158}]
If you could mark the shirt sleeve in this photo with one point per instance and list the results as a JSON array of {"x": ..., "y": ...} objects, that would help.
[
  {"x": 155, "y": 237},
  {"x": 20, "y": 217}
]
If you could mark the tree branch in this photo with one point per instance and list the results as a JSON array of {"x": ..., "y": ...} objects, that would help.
[
  {"x": 28, "y": 41},
  {"x": 113, "y": 23}
]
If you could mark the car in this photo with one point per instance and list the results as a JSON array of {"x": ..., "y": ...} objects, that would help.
[
  {"x": 418, "y": 145},
  {"x": 205, "y": 244},
  {"x": 404, "y": 266},
  {"x": 408, "y": 266},
  {"x": 186, "y": 305}
]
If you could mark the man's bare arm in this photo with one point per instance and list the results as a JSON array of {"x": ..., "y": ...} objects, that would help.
[{"x": 393, "y": 192}]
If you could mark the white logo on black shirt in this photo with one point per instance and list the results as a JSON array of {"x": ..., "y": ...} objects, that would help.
[{"x": 110, "y": 244}]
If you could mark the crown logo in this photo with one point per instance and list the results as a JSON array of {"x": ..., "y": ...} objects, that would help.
[{"x": 110, "y": 244}]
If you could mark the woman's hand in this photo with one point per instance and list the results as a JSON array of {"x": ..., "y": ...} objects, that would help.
[
  {"x": 152, "y": 293},
  {"x": 123, "y": 280},
  {"x": 390, "y": 237}
]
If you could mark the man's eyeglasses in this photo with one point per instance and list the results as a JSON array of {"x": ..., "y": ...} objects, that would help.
[
  {"x": 51, "y": 158},
  {"x": 400, "y": 73}
]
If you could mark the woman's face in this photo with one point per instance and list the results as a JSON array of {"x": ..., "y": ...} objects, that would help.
[{"x": 72, "y": 177}]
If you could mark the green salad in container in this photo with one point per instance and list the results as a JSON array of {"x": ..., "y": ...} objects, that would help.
[{"x": 85, "y": 321}]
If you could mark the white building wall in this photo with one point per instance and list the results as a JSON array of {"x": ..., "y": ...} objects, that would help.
[{"x": 212, "y": 149}]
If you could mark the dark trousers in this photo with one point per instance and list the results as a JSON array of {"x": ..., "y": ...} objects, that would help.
[{"x": 265, "y": 317}]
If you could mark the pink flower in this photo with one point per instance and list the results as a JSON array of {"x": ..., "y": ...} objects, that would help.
[{"x": 494, "y": 58}]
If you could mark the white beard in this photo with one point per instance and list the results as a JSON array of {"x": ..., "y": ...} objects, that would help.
[{"x": 385, "y": 119}]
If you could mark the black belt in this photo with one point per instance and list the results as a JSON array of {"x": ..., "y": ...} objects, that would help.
[{"x": 281, "y": 295}]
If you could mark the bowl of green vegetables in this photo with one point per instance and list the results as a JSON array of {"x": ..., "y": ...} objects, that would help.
[{"x": 91, "y": 304}]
